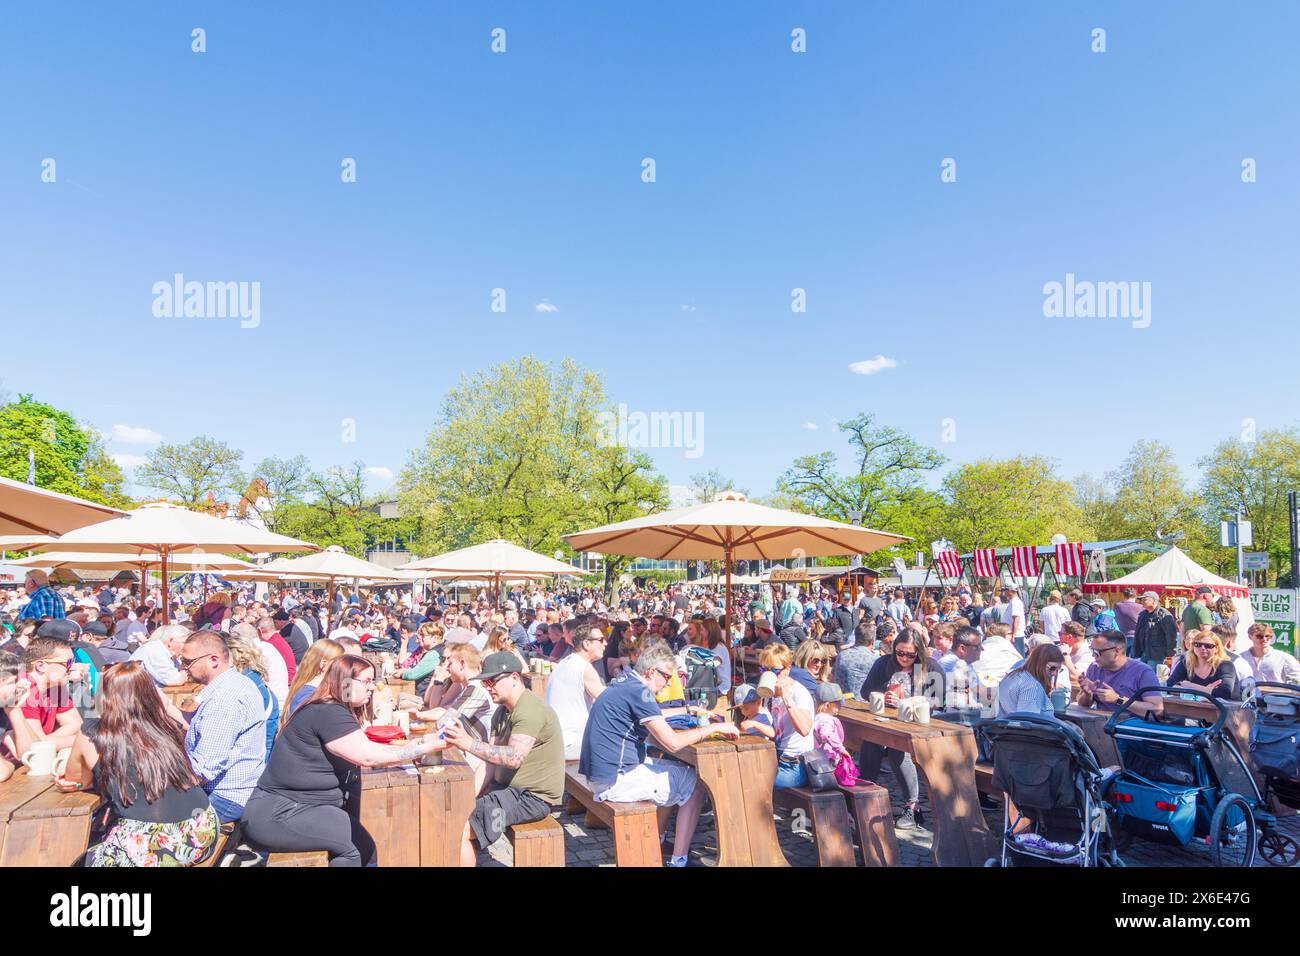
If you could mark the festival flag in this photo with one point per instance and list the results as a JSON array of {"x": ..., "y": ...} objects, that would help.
[
  {"x": 949, "y": 564},
  {"x": 1024, "y": 561},
  {"x": 986, "y": 563},
  {"x": 1069, "y": 559}
]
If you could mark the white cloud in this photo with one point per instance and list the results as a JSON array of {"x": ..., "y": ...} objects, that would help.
[
  {"x": 688, "y": 308},
  {"x": 810, "y": 426},
  {"x": 131, "y": 435},
  {"x": 872, "y": 366},
  {"x": 378, "y": 471},
  {"x": 127, "y": 461},
  {"x": 546, "y": 306}
]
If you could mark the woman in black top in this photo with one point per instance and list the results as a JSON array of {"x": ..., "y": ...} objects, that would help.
[
  {"x": 309, "y": 797},
  {"x": 1206, "y": 666},
  {"x": 134, "y": 755}
]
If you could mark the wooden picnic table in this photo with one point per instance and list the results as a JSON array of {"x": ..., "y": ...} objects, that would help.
[
  {"x": 945, "y": 755},
  {"x": 39, "y": 825},
  {"x": 181, "y": 695},
  {"x": 739, "y": 775},
  {"x": 1092, "y": 723},
  {"x": 537, "y": 683},
  {"x": 417, "y": 814}
]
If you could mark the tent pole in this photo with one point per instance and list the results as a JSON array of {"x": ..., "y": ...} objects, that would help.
[
  {"x": 165, "y": 606},
  {"x": 726, "y": 611}
]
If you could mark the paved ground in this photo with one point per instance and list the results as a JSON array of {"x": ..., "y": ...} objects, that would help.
[{"x": 591, "y": 847}]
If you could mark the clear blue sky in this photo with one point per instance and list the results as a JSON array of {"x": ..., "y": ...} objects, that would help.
[{"x": 775, "y": 171}]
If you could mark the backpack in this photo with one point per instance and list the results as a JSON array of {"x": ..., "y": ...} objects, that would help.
[{"x": 701, "y": 676}]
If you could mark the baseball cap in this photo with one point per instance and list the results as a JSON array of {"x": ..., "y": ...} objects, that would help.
[
  {"x": 458, "y": 635},
  {"x": 502, "y": 662},
  {"x": 94, "y": 627},
  {"x": 1205, "y": 589},
  {"x": 744, "y": 694},
  {"x": 828, "y": 694},
  {"x": 61, "y": 629},
  {"x": 1098, "y": 602},
  {"x": 1150, "y": 594}
]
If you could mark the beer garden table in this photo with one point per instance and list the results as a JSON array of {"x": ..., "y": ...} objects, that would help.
[
  {"x": 945, "y": 755},
  {"x": 739, "y": 775},
  {"x": 40, "y": 825}
]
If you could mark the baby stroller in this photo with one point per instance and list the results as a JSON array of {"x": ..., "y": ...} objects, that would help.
[
  {"x": 1275, "y": 749},
  {"x": 1050, "y": 774},
  {"x": 1184, "y": 781}
]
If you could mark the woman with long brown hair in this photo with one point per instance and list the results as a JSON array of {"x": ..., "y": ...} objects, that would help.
[
  {"x": 134, "y": 755},
  {"x": 309, "y": 797},
  {"x": 1028, "y": 688},
  {"x": 310, "y": 671}
]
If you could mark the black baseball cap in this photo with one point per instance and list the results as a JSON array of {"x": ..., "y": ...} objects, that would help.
[
  {"x": 502, "y": 662},
  {"x": 94, "y": 627},
  {"x": 60, "y": 629}
]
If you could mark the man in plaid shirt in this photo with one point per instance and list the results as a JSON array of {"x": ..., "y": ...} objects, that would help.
[{"x": 45, "y": 602}]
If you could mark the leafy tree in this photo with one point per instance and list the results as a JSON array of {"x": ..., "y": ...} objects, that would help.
[
  {"x": 1255, "y": 476},
  {"x": 997, "y": 503},
  {"x": 190, "y": 472},
  {"x": 1150, "y": 497},
  {"x": 284, "y": 482},
  {"x": 69, "y": 457},
  {"x": 333, "y": 508},
  {"x": 885, "y": 483},
  {"x": 623, "y": 486},
  {"x": 707, "y": 484},
  {"x": 516, "y": 453}
]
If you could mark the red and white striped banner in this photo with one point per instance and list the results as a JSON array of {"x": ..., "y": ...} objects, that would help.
[
  {"x": 986, "y": 562},
  {"x": 1069, "y": 559},
  {"x": 949, "y": 564},
  {"x": 1024, "y": 561}
]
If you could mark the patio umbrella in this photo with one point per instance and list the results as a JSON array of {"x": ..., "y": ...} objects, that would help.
[
  {"x": 165, "y": 529},
  {"x": 732, "y": 528},
  {"x": 331, "y": 563},
  {"x": 190, "y": 562},
  {"x": 25, "y": 509},
  {"x": 491, "y": 559}
]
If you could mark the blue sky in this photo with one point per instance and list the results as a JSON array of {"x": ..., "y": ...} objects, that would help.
[{"x": 775, "y": 171}]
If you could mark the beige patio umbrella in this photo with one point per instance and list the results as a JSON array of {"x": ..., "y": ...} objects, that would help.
[
  {"x": 493, "y": 559},
  {"x": 165, "y": 529},
  {"x": 25, "y": 509},
  {"x": 731, "y": 528},
  {"x": 199, "y": 562},
  {"x": 332, "y": 563}
]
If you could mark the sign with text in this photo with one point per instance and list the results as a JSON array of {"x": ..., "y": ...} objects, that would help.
[{"x": 1277, "y": 608}]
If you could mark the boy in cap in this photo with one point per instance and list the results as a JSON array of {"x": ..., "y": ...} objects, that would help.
[{"x": 751, "y": 716}]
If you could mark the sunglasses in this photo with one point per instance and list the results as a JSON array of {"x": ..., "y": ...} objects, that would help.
[
  {"x": 187, "y": 663},
  {"x": 1202, "y": 645},
  {"x": 905, "y": 655}
]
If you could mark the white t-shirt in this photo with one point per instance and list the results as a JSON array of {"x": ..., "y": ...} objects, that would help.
[
  {"x": 789, "y": 742},
  {"x": 277, "y": 673},
  {"x": 1015, "y": 608},
  {"x": 566, "y": 694},
  {"x": 1054, "y": 615},
  {"x": 724, "y": 668},
  {"x": 998, "y": 655}
]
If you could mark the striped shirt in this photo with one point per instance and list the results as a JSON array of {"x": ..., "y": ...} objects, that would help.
[
  {"x": 44, "y": 603},
  {"x": 226, "y": 741}
]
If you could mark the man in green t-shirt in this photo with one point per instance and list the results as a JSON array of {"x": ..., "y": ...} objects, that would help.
[
  {"x": 526, "y": 753},
  {"x": 1197, "y": 614}
]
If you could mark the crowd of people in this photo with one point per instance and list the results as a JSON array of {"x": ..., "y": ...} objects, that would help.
[{"x": 277, "y": 738}]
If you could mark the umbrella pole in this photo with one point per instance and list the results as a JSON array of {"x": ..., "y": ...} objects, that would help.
[
  {"x": 166, "y": 609},
  {"x": 726, "y": 611}
]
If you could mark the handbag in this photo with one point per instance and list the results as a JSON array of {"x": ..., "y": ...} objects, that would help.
[
  {"x": 819, "y": 770},
  {"x": 846, "y": 771}
]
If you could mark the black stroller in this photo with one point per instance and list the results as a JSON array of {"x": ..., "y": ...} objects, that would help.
[
  {"x": 1048, "y": 771},
  {"x": 1275, "y": 751}
]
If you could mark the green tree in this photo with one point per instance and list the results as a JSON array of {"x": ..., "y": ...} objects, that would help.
[
  {"x": 1150, "y": 497},
  {"x": 69, "y": 457},
  {"x": 192, "y": 471},
  {"x": 284, "y": 481},
  {"x": 623, "y": 485},
  {"x": 1256, "y": 477},
  {"x": 885, "y": 483},
  {"x": 333, "y": 508},
  {"x": 1000, "y": 503},
  {"x": 512, "y": 455},
  {"x": 706, "y": 484}
]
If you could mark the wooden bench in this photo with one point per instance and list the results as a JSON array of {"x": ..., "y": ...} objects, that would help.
[
  {"x": 308, "y": 858},
  {"x": 874, "y": 816},
  {"x": 984, "y": 778},
  {"x": 538, "y": 844},
  {"x": 635, "y": 825},
  {"x": 829, "y": 814}
]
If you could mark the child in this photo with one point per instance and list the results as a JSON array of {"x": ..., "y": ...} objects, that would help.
[
  {"x": 753, "y": 718},
  {"x": 828, "y": 733}
]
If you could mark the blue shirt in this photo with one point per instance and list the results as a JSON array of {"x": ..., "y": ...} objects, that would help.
[
  {"x": 44, "y": 603},
  {"x": 226, "y": 741},
  {"x": 270, "y": 707},
  {"x": 157, "y": 661},
  {"x": 614, "y": 739}
]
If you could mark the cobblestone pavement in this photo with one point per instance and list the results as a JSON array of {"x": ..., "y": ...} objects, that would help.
[{"x": 584, "y": 846}]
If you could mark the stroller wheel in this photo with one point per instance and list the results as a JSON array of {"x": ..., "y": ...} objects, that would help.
[
  {"x": 1277, "y": 849},
  {"x": 992, "y": 861},
  {"x": 1233, "y": 833}
]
